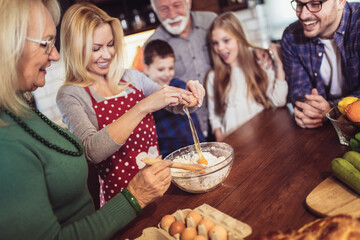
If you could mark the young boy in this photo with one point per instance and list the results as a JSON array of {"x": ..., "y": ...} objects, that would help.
[{"x": 173, "y": 130}]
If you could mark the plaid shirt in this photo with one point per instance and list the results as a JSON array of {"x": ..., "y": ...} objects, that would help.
[
  {"x": 173, "y": 130},
  {"x": 303, "y": 57}
]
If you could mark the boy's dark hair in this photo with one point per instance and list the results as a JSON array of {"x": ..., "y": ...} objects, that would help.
[{"x": 158, "y": 48}]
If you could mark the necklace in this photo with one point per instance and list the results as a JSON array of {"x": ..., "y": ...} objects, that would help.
[{"x": 32, "y": 133}]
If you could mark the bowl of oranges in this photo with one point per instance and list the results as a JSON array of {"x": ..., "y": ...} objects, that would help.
[{"x": 346, "y": 118}]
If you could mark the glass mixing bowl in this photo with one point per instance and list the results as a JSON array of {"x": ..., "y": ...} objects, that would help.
[
  {"x": 211, "y": 176},
  {"x": 343, "y": 127}
]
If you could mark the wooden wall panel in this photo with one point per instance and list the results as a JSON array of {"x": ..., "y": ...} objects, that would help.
[{"x": 206, "y": 5}]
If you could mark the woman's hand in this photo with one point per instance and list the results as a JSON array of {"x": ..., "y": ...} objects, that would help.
[
  {"x": 151, "y": 182},
  {"x": 218, "y": 135},
  {"x": 195, "y": 87},
  {"x": 164, "y": 96},
  {"x": 275, "y": 51},
  {"x": 264, "y": 57}
]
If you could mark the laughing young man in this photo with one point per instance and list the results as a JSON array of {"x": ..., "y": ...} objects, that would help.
[{"x": 321, "y": 57}]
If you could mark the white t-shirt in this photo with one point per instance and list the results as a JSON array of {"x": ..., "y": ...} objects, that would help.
[{"x": 330, "y": 69}]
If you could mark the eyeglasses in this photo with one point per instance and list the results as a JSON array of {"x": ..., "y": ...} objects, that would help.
[
  {"x": 47, "y": 44},
  {"x": 313, "y": 6}
]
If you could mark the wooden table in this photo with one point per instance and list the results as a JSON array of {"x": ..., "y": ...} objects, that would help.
[{"x": 276, "y": 166}]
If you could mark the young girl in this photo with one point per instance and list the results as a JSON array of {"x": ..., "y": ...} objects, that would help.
[
  {"x": 107, "y": 107},
  {"x": 237, "y": 86}
]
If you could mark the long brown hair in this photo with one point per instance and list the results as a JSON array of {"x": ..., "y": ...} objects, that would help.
[{"x": 255, "y": 77}]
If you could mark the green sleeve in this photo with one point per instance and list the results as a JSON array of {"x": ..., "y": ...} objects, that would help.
[{"x": 28, "y": 213}]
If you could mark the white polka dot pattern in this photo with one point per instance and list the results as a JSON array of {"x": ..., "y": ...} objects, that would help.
[{"x": 121, "y": 167}]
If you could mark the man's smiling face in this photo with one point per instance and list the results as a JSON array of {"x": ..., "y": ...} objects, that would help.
[{"x": 324, "y": 23}]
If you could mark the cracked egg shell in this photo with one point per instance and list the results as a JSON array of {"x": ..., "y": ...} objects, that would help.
[{"x": 193, "y": 103}]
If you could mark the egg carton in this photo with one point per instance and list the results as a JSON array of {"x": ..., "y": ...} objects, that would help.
[{"x": 236, "y": 229}]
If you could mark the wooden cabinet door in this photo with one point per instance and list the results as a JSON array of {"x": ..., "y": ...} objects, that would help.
[{"x": 207, "y": 5}]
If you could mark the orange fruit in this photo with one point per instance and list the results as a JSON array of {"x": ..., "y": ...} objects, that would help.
[
  {"x": 345, "y": 102},
  {"x": 352, "y": 111}
]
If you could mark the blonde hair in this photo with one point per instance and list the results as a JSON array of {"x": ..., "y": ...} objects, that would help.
[
  {"x": 255, "y": 77},
  {"x": 14, "y": 23},
  {"x": 76, "y": 39}
]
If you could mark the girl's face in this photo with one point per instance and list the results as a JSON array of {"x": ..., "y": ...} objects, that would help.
[
  {"x": 103, "y": 51},
  {"x": 226, "y": 46}
]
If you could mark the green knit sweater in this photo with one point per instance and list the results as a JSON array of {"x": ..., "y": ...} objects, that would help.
[{"x": 43, "y": 193}]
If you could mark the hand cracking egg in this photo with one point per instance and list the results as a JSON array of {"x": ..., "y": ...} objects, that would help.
[{"x": 193, "y": 102}]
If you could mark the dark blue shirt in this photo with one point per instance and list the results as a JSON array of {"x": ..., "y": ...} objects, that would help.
[
  {"x": 303, "y": 57},
  {"x": 173, "y": 130}
]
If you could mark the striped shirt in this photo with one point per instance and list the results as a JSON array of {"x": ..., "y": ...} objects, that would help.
[{"x": 303, "y": 57}]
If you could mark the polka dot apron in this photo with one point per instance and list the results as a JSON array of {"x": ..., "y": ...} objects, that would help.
[{"x": 117, "y": 170}]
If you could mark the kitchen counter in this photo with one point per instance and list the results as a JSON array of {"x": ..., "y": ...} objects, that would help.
[{"x": 276, "y": 166}]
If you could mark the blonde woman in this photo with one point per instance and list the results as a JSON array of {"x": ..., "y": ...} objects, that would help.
[
  {"x": 238, "y": 87},
  {"x": 43, "y": 167},
  {"x": 107, "y": 107}
]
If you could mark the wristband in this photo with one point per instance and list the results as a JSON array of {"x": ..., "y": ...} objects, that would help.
[{"x": 132, "y": 200}]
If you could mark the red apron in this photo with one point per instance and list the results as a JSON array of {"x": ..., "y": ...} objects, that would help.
[{"x": 117, "y": 170}]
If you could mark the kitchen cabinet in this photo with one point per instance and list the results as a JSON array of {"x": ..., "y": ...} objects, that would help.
[
  {"x": 206, "y": 5},
  {"x": 236, "y": 5},
  {"x": 135, "y": 15},
  {"x": 232, "y": 5}
]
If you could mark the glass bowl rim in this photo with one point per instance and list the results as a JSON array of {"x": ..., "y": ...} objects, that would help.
[{"x": 198, "y": 174}]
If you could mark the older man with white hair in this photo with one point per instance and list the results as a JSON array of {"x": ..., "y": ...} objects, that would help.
[{"x": 186, "y": 32}]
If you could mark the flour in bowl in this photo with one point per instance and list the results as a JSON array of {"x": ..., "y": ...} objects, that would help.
[
  {"x": 193, "y": 159},
  {"x": 201, "y": 181}
]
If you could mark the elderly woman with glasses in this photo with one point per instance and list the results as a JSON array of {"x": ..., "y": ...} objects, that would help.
[{"x": 43, "y": 167}]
